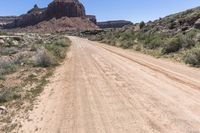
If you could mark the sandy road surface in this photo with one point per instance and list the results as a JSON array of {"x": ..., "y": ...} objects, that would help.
[{"x": 102, "y": 89}]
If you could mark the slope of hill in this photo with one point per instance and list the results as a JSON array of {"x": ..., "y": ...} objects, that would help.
[
  {"x": 176, "y": 36},
  {"x": 114, "y": 24},
  {"x": 59, "y": 25}
]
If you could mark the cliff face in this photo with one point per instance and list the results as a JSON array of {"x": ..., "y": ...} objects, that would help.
[
  {"x": 56, "y": 9},
  {"x": 6, "y": 20},
  {"x": 69, "y": 8}
]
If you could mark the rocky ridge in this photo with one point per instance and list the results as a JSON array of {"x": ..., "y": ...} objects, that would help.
[
  {"x": 178, "y": 22},
  {"x": 114, "y": 24}
]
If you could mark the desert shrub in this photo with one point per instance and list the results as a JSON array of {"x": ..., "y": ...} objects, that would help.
[
  {"x": 192, "y": 33},
  {"x": 33, "y": 48},
  {"x": 138, "y": 48},
  {"x": 62, "y": 42},
  {"x": 109, "y": 41},
  {"x": 172, "y": 45},
  {"x": 58, "y": 48},
  {"x": 7, "y": 68},
  {"x": 96, "y": 38},
  {"x": 57, "y": 51},
  {"x": 142, "y": 24},
  {"x": 155, "y": 43},
  {"x": 8, "y": 94},
  {"x": 126, "y": 44},
  {"x": 151, "y": 40},
  {"x": 187, "y": 42},
  {"x": 126, "y": 36},
  {"x": 40, "y": 41},
  {"x": 2, "y": 77},
  {"x": 3, "y": 33},
  {"x": 44, "y": 59},
  {"x": 9, "y": 51},
  {"x": 193, "y": 57}
]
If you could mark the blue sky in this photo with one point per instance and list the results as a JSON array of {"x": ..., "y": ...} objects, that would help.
[{"x": 133, "y": 10}]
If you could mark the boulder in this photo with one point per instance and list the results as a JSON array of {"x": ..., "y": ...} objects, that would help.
[
  {"x": 1, "y": 42},
  {"x": 15, "y": 43},
  {"x": 197, "y": 24}
]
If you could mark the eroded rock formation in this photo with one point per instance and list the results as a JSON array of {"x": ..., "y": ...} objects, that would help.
[
  {"x": 56, "y": 9},
  {"x": 69, "y": 8}
]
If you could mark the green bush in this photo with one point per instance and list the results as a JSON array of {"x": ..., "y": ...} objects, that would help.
[
  {"x": 138, "y": 48},
  {"x": 62, "y": 42},
  {"x": 44, "y": 59},
  {"x": 142, "y": 24},
  {"x": 187, "y": 42},
  {"x": 8, "y": 94},
  {"x": 192, "y": 33},
  {"x": 193, "y": 57},
  {"x": 58, "y": 52},
  {"x": 127, "y": 35},
  {"x": 6, "y": 68},
  {"x": 126, "y": 44},
  {"x": 3, "y": 33},
  {"x": 172, "y": 45},
  {"x": 9, "y": 51},
  {"x": 155, "y": 43},
  {"x": 58, "y": 48}
]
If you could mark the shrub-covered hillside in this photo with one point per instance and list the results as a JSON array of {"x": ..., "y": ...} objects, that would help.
[{"x": 176, "y": 36}]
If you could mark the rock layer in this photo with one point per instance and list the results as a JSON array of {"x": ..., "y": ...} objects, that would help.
[
  {"x": 56, "y": 9},
  {"x": 69, "y": 8}
]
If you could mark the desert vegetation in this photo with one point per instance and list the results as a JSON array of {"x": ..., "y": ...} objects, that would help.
[
  {"x": 176, "y": 36},
  {"x": 181, "y": 46},
  {"x": 26, "y": 62}
]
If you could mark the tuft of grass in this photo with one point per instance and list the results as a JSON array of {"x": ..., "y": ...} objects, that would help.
[
  {"x": 9, "y": 51},
  {"x": 63, "y": 42},
  {"x": 193, "y": 57},
  {"x": 40, "y": 87},
  {"x": 58, "y": 48},
  {"x": 8, "y": 94},
  {"x": 7, "y": 68},
  {"x": 45, "y": 59},
  {"x": 3, "y": 33}
]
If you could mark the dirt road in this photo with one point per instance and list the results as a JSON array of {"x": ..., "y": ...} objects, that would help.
[{"x": 103, "y": 89}]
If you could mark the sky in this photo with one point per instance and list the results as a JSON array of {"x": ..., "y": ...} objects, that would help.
[{"x": 133, "y": 10}]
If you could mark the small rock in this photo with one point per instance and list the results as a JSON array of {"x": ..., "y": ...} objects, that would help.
[
  {"x": 1, "y": 42},
  {"x": 35, "y": 74},
  {"x": 15, "y": 43},
  {"x": 184, "y": 28},
  {"x": 2, "y": 108}
]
